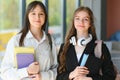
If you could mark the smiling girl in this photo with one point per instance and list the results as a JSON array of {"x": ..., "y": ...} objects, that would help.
[
  {"x": 77, "y": 60},
  {"x": 32, "y": 35}
]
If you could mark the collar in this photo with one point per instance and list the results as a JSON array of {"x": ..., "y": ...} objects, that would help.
[
  {"x": 30, "y": 35},
  {"x": 90, "y": 47}
]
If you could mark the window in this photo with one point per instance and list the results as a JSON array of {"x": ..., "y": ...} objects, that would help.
[{"x": 9, "y": 14}]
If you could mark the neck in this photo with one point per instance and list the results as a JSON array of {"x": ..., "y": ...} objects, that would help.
[
  {"x": 37, "y": 33},
  {"x": 80, "y": 35}
]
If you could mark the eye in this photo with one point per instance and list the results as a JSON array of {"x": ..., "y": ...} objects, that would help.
[
  {"x": 86, "y": 19},
  {"x": 77, "y": 18},
  {"x": 33, "y": 13},
  {"x": 41, "y": 14}
]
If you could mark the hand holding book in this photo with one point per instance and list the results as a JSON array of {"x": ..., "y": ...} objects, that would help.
[{"x": 33, "y": 68}]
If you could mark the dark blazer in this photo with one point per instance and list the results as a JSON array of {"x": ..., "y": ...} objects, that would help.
[{"x": 93, "y": 63}]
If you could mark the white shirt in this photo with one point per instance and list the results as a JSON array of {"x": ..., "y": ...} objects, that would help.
[
  {"x": 46, "y": 58},
  {"x": 79, "y": 51}
]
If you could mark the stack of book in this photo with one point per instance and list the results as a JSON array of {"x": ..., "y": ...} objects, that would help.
[{"x": 24, "y": 56}]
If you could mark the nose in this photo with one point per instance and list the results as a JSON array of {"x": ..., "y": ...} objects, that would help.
[
  {"x": 81, "y": 21},
  {"x": 38, "y": 16}
]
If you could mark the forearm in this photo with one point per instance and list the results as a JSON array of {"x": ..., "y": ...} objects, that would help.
[{"x": 9, "y": 71}]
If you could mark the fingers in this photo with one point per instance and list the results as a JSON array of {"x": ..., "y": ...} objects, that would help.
[
  {"x": 81, "y": 70},
  {"x": 33, "y": 68},
  {"x": 36, "y": 77},
  {"x": 82, "y": 67},
  {"x": 36, "y": 63},
  {"x": 84, "y": 71},
  {"x": 32, "y": 76}
]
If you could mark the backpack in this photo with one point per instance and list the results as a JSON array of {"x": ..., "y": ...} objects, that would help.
[{"x": 98, "y": 54}]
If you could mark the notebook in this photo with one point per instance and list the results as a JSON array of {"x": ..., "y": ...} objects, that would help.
[
  {"x": 24, "y": 56},
  {"x": 84, "y": 59}
]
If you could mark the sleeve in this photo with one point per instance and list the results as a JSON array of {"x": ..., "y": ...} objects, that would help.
[
  {"x": 52, "y": 72},
  {"x": 8, "y": 70},
  {"x": 108, "y": 72},
  {"x": 63, "y": 75}
]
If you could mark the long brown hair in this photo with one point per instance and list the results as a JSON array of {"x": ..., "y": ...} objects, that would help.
[
  {"x": 26, "y": 25},
  {"x": 72, "y": 32}
]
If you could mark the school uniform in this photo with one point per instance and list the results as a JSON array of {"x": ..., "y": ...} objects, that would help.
[
  {"x": 93, "y": 63},
  {"x": 46, "y": 57}
]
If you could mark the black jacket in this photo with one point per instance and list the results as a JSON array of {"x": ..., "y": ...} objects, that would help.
[{"x": 93, "y": 63}]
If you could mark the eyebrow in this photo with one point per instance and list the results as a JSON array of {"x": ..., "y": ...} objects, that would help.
[
  {"x": 84, "y": 17},
  {"x": 35, "y": 11}
]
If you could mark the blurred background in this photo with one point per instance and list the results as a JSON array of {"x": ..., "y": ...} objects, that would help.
[{"x": 60, "y": 12}]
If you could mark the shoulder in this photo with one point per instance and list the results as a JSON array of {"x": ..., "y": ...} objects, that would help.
[
  {"x": 14, "y": 39},
  {"x": 100, "y": 48},
  {"x": 51, "y": 40},
  {"x": 101, "y": 44},
  {"x": 49, "y": 36},
  {"x": 105, "y": 51}
]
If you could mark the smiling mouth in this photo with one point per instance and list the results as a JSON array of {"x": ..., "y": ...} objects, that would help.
[
  {"x": 79, "y": 26},
  {"x": 37, "y": 21}
]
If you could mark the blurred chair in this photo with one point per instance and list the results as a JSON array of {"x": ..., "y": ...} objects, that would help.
[{"x": 4, "y": 38}]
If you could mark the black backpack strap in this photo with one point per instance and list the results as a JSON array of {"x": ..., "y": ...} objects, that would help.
[{"x": 50, "y": 40}]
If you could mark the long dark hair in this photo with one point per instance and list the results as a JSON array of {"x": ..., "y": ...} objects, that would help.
[
  {"x": 26, "y": 25},
  {"x": 73, "y": 32}
]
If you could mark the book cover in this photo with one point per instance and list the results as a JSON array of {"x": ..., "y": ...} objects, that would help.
[
  {"x": 84, "y": 59},
  {"x": 24, "y": 56}
]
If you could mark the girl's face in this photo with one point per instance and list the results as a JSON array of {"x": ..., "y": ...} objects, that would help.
[
  {"x": 82, "y": 21},
  {"x": 36, "y": 17}
]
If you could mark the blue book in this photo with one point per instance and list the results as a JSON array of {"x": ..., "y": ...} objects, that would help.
[
  {"x": 84, "y": 59},
  {"x": 24, "y": 56}
]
